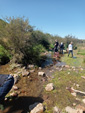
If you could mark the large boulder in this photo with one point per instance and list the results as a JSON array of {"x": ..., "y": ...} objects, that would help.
[
  {"x": 49, "y": 87},
  {"x": 36, "y": 108}
]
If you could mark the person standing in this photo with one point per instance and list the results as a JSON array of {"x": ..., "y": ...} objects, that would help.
[
  {"x": 61, "y": 47},
  {"x": 70, "y": 49},
  {"x": 56, "y": 46}
]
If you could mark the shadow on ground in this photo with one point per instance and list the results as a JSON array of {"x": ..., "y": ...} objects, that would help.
[{"x": 20, "y": 104}]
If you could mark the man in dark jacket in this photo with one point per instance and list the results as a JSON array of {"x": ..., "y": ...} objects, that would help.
[
  {"x": 61, "y": 47},
  {"x": 6, "y": 83},
  {"x": 56, "y": 46}
]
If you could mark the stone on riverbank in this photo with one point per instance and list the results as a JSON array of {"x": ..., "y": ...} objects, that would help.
[
  {"x": 25, "y": 73},
  {"x": 36, "y": 108},
  {"x": 41, "y": 74},
  {"x": 49, "y": 87}
]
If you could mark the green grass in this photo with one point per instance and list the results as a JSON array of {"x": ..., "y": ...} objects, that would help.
[
  {"x": 80, "y": 53},
  {"x": 61, "y": 97},
  {"x": 4, "y": 55},
  {"x": 77, "y": 61}
]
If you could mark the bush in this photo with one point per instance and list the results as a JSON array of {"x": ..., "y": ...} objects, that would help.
[{"x": 4, "y": 55}]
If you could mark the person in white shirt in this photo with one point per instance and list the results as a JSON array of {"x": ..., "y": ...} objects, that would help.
[{"x": 70, "y": 49}]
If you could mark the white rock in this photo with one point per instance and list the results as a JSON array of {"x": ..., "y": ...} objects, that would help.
[
  {"x": 67, "y": 66},
  {"x": 68, "y": 73},
  {"x": 74, "y": 104},
  {"x": 41, "y": 73},
  {"x": 15, "y": 87},
  {"x": 30, "y": 66},
  {"x": 83, "y": 100},
  {"x": 73, "y": 67},
  {"x": 14, "y": 94},
  {"x": 77, "y": 85},
  {"x": 31, "y": 71},
  {"x": 71, "y": 110},
  {"x": 40, "y": 68},
  {"x": 56, "y": 110},
  {"x": 60, "y": 69},
  {"x": 36, "y": 108},
  {"x": 78, "y": 99},
  {"x": 74, "y": 94},
  {"x": 82, "y": 69},
  {"x": 49, "y": 87},
  {"x": 25, "y": 73},
  {"x": 16, "y": 78},
  {"x": 83, "y": 77}
]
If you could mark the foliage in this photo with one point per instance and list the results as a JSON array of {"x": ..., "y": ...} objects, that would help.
[
  {"x": 24, "y": 43},
  {"x": 4, "y": 55},
  {"x": 38, "y": 37}
]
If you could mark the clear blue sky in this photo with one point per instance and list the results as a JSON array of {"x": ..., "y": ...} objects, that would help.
[{"x": 57, "y": 17}]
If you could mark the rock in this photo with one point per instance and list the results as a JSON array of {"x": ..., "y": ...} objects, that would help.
[
  {"x": 78, "y": 99},
  {"x": 67, "y": 66},
  {"x": 6, "y": 99},
  {"x": 30, "y": 66},
  {"x": 41, "y": 73},
  {"x": 23, "y": 68},
  {"x": 73, "y": 67},
  {"x": 83, "y": 100},
  {"x": 31, "y": 71},
  {"x": 83, "y": 77},
  {"x": 25, "y": 73},
  {"x": 49, "y": 87},
  {"x": 77, "y": 85},
  {"x": 56, "y": 110},
  {"x": 68, "y": 73},
  {"x": 82, "y": 69},
  {"x": 16, "y": 78},
  {"x": 60, "y": 69},
  {"x": 40, "y": 68},
  {"x": 74, "y": 104},
  {"x": 71, "y": 110},
  {"x": 15, "y": 87},
  {"x": 36, "y": 108},
  {"x": 74, "y": 94},
  {"x": 63, "y": 66},
  {"x": 14, "y": 94},
  {"x": 81, "y": 107}
]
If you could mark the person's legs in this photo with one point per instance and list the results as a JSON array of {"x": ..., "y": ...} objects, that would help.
[
  {"x": 68, "y": 52},
  {"x": 62, "y": 51},
  {"x": 72, "y": 53},
  {"x": 6, "y": 87}
]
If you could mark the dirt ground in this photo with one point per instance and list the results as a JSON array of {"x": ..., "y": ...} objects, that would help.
[{"x": 32, "y": 89}]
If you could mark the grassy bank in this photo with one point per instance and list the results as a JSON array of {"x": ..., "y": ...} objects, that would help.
[{"x": 67, "y": 77}]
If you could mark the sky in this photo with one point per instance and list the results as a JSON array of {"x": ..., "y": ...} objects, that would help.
[{"x": 57, "y": 17}]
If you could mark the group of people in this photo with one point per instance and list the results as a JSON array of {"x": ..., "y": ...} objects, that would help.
[{"x": 60, "y": 46}]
